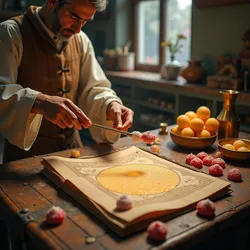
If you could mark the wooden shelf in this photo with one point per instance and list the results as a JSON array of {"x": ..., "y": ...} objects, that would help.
[
  {"x": 184, "y": 96},
  {"x": 148, "y": 105},
  {"x": 245, "y": 128},
  {"x": 147, "y": 124}
]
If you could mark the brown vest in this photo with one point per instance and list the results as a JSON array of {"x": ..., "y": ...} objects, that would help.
[{"x": 52, "y": 72}]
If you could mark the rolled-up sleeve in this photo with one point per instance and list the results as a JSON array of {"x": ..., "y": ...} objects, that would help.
[
  {"x": 95, "y": 92},
  {"x": 17, "y": 124}
]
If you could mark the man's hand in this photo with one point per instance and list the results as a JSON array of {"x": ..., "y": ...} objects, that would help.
[
  {"x": 121, "y": 116},
  {"x": 60, "y": 111}
]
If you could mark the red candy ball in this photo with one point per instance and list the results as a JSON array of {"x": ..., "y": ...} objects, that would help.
[
  {"x": 208, "y": 160},
  {"x": 206, "y": 208},
  {"x": 202, "y": 155},
  {"x": 219, "y": 161},
  {"x": 216, "y": 170},
  {"x": 189, "y": 158},
  {"x": 196, "y": 162},
  {"x": 55, "y": 215},
  {"x": 234, "y": 174},
  {"x": 157, "y": 231},
  {"x": 148, "y": 137}
]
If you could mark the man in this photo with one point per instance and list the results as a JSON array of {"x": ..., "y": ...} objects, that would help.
[{"x": 48, "y": 69}]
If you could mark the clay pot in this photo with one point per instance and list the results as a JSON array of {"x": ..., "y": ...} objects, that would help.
[{"x": 194, "y": 71}]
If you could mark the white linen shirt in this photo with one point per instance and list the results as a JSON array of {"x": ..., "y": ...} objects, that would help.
[{"x": 17, "y": 124}]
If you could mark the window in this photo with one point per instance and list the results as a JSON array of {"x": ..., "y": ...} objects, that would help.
[{"x": 157, "y": 21}]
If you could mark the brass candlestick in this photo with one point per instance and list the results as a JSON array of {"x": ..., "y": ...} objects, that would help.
[
  {"x": 229, "y": 121},
  {"x": 163, "y": 129}
]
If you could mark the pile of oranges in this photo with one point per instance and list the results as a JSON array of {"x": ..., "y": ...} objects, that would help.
[{"x": 196, "y": 124}]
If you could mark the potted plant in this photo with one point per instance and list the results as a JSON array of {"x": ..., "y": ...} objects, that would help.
[{"x": 173, "y": 68}]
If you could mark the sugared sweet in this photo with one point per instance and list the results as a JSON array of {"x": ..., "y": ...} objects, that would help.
[
  {"x": 157, "y": 231},
  {"x": 75, "y": 153},
  {"x": 190, "y": 157},
  {"x": 218, "y": 154},
  {"x": 243, "y": 149},
  {"x": 124, "y": 202},
  {"x": 158, "y": 141},
  {"x": 229, "y": 146},
  {"x": 216, "y": 170},
  {"x": 219, "y": 161},
  {"x": 148, "y": 137},
  {"x": 155, "y": 149},
  {"x": 136, "y": 136},
  {"x": 202, "y": 155},
  {"x": 208, "y": 160},
  {"x": 55, "y": 215},
  {"x": 239, "y": 143},
  {"x": 206, "y": 208},
  {"x": 196, "y": 162},
  {"x": 234, "y": 174}
]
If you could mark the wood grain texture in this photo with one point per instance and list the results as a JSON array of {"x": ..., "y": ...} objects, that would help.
[{"x": 22, "y": 186}]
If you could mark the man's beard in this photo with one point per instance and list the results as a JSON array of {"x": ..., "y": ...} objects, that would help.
[{"x": 56, "y": 27}]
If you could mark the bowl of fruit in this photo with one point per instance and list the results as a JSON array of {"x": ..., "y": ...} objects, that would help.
[
  {"x": 195, "y": 130},
  {"x": 237, "y": 149}
]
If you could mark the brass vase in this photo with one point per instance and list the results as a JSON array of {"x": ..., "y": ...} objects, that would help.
[{"x": 229, "y": 121}]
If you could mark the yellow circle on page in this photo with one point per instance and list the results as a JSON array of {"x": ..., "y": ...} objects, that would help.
[{"x": 138, "y": 179}]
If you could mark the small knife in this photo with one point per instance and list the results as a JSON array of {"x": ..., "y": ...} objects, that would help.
[{"x": 112, "y": 129}]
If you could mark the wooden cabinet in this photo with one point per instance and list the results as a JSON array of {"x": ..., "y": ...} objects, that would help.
[
  {"x": 217, "y": 3},
  {"x": 154, "y": 100}
]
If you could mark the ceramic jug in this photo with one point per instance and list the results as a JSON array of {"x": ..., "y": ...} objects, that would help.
[{"x": 194, "y": 71}]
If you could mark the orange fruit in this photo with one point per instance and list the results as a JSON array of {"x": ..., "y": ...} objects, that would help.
[
  {"x": 183, "y": 121},
  {"x": 191, "y": 114},
  {"x": 203, "y": 112},
  {"x": 203, "y": 133},
  {"x": 176, "y": 130},
  {"x": 212, "y": 124},
  {"x": 239, "y": 143},
  {"x": 197, "y": 124},
  {"x": 229, "y": 146},
  {"x": 187, "y": 132}
]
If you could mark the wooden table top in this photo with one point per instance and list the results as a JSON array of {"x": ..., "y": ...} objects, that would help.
[{"x": 22, "y": 186}]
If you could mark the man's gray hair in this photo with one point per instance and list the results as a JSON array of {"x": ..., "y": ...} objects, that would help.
[{"x": 100, "y": 5}]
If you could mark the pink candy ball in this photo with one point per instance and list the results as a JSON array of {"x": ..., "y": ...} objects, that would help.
[
  {"x": 202, "y": 155},
  {"x": 189, "y": 158},
  {"x": 234, "y": 174},
  {"x": 206, "y": 208},
  {"x": 148, "y": 137},
  {"x": 196, "y": 162},
  {"x": 124, "y": 202},
  {"x": 208, "y": 160},
  {"x": 216, "y": 170},
  {"x": 219, "y": 161},
  {"x": 157, "y": 231},
  {"x": 55, "y": 215}
]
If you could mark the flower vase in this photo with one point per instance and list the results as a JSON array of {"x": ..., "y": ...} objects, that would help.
[
  {"x": 228, "y": 119},
  {"x": 172, "y": 70}
]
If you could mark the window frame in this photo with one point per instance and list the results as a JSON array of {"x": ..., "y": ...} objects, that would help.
[
  {"x": 161, "y": 51},
  {"x": 162, "y": 36}
]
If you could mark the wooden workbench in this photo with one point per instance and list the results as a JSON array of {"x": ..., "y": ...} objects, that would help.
[{"x": 25, "y": 196}]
